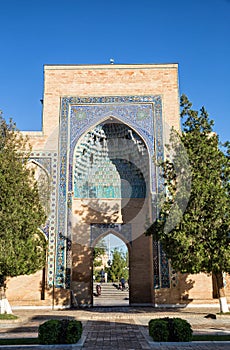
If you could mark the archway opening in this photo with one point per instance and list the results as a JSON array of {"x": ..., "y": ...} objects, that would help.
[
  {"x": 110, "y": 175},
  {"x": 111, "y": 168},
  {"x": 110, "y": 272}
]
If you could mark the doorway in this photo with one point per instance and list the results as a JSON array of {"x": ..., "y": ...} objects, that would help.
[
  {"x": 111, "y": 195},
  {"x": 110, "y": 272}
]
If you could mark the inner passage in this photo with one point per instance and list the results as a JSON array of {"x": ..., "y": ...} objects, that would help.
[{"x": 111, "y": 161}]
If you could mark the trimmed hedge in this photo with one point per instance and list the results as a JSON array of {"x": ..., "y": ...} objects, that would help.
[
  {"x": 159, "y": 330},
  {"x": 60, "y": 332},
  {"x": 170, "y": 330}
]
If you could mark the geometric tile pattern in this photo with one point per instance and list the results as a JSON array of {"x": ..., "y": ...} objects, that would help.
[
  {"x": 160, "y": 267},
  {"x": 100, "y": 172},
  {"x": 48, "y": 160},
  {"x": 122, "y": 230},
  {"x": 79, "y": 115}
]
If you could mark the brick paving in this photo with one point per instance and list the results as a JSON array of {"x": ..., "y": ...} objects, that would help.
[
  {"x": 114, "y": 335},
  {"x": 117, "y": 328}
]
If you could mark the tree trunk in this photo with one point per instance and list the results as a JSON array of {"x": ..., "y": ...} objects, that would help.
[
  {"x": 4, "y": 303},
  {"x": 221, "y": 292}
]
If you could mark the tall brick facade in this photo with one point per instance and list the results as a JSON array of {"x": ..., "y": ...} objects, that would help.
[{"x": 103, "y": 124}]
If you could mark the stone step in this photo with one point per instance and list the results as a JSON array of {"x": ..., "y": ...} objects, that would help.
[
  {"x": 111, "y": 296},
  {"x": 111, "y": 293}
]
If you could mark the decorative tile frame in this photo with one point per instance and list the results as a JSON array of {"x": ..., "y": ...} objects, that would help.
[
  {"x": 122, "y": 230},
  {"x": 49, "y": 161},
  {"x": 80, "y": 114},
  {"x": 97, "y": 152}
]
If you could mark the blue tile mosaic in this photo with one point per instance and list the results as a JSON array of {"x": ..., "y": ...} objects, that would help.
[
  {"x": 98, "y": 170},
  {"x": 79, "y": 115},
  {"x": 97, "y": 231},
  {"x": 48, "y": 161}
]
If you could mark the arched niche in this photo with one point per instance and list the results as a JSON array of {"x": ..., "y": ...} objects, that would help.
[
  {"x": 111, "y": 164},
  {"x": 43, "y": 182}
]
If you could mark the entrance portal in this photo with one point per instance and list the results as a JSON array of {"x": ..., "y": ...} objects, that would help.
[
  {"x": 111, "y": 192},
  {"x": 111, "y": 272},
  {"x": 103, "y": 132}
]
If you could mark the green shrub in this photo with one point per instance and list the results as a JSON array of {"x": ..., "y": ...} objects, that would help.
[
  {"x": 73, "y": 332},
  {"x": 170, "y": 330},
  {"x": 181, "y": 330},
  {"x": 49, "y": 332},
  {"x": 158, "y": 330},
  {"x": 60, "y": 332}
]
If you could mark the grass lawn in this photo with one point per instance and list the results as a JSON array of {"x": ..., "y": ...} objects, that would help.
[
  {"x": 8, "y": 317},
  {"x": 19, "y": 341},
  {"x": 210, "y": 337}
]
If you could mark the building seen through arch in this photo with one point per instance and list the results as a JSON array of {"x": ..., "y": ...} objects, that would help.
[{"x": 104, "y": 130}]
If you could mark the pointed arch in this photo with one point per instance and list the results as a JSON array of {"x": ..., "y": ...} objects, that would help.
[
  {"x": 77, "y": 115},
  {"x": 114, "y": 233},
  {"x": 107, "y": 153},
  {"x": 108, "y": 118},
  {"x": 43, "y": 179},
  {"x": 38, "y": 165}
]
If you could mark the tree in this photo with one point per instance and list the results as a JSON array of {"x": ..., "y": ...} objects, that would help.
[
  {"x": 199, "y": 240},
  {"x": 99, "y": 253},
  {"x": 22, "y": 244},
  {"x": 119, "y": 266}
]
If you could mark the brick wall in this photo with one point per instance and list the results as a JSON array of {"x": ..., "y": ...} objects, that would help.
[{"x": 104, "y": 80}]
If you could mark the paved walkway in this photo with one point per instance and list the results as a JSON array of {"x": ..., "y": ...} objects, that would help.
[{"x": 117, "y": 328}]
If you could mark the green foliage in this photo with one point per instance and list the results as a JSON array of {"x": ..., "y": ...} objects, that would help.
[
  {"x": 158, "y": 330},
  {"x": 211, "y": 337},
  {"x": 22, "y": 244},
  {"x": 170, "y": 330},
  {"x": 49, "y": 332},
  {"x": 19, "y": 341},
  {"x": 180, "y": 330},
  {"x": 98, "y": 253},
  {"x": 119, "y": 266},
  {"x": 8, "y": 317},
  {"x": 73, "y": 331},
  {"x": 60, "y": 332},
  {"x": 194, "y": 221}
]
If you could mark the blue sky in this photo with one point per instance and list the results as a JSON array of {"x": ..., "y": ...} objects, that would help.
[{"x": 195, "y": 34}]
